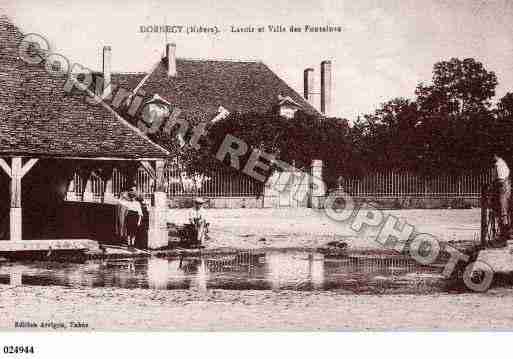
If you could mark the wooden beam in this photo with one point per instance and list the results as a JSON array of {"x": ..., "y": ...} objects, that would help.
[
  {"x": 5, "y": 167},
  {"x": 15, "y": 212},
  {"x": 16, "y": 182},
  {"x": 147, "y": 166},
  {"x": 123, "y": 159},
  {"x": 87, "y": 195},
  {"x": 28, "y": 166}
]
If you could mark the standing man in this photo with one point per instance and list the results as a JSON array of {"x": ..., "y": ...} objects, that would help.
[{"x": 503, "y": 184}]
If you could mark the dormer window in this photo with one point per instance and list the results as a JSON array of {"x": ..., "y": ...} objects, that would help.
[
  {"x": 153, "y": 114},
  {"x": 56, "y": 66},
  {"x": 287, "y": 106}
]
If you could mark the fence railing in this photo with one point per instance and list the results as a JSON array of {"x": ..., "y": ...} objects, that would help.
[
  {"x": 410, "y": 184},
  {"x": 218, "y": 183},
  {"x": 229, "y": 184},
  {"x": 176, "y": 182}
]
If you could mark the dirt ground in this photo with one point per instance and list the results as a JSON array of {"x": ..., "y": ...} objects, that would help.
[
  {"x": 138, "y": 309},
  {"x": 303, "y": 227},
  {"x": 122, "y": 309}
]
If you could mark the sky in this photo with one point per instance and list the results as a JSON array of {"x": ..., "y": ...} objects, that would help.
[{"x": 384, "y": 50}]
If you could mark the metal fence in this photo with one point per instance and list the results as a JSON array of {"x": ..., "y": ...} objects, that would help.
[
  {"x": 177, "y": 183},
  {"x": 410, "y": 184},
  {"x": 223, "y": 183},
  {"x": 217, "y": 183}
]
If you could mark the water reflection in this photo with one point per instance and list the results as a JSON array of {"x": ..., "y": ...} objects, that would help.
[
  {"x": 276, "y": 270},
  {"x": 295, "y": 271},
  {"x": 158, "y": 273},
  {"x": 199, "y": 281}
]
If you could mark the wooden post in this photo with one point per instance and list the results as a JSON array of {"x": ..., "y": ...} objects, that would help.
[
  {"x": 16, "y": 173},
  {"x": 106, "y": 174},
  {"x": 15, "y": 212},
  {"x": 108, "y": 196},
  {"x": 70, "y": 193},
  {"x": 88, "y": 189}
]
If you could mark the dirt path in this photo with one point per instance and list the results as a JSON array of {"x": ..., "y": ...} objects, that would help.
[{"x": 120, "y": 309}]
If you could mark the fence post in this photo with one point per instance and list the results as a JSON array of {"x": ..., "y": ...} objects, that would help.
[
  {"x": 270, "y": 193},
  {"x": 157, "y": 232},
  {"x": 317, "y": 188}
]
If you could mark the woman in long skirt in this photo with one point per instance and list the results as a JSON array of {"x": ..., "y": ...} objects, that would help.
[{"x": 133, "y": 218}]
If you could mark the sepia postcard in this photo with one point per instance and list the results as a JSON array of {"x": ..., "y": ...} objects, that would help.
[{"x": 255, "y": 166}]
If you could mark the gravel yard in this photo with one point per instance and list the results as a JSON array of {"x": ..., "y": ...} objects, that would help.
[
  {"x": 306, "y": 228},
  {"x": 219, "y": 309},
  {"x": 120, "y": 309}
]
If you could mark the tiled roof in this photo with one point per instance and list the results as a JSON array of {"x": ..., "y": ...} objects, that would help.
[
  {"x": 37, "y": 117},
  {"x": 201, "y": 86}
]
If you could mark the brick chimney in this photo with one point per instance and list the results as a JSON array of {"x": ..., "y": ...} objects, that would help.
[
  {"x": 326, "y": 87},
  {"x": 308, "y": 86},
  {"x": 107, "y": 55},
  {"x": 171, "y": 59}
]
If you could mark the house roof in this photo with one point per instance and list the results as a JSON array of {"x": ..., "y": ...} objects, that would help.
[
  {"x": 287, "y": 100},
  {"x": 202, "y": 86},
  {"x": 39, "y": 118}
]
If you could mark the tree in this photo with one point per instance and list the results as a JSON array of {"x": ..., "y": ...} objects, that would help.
[
  {"x": 455, "y": 118},
  {"x": 387, "y": 138},
  {"x": 448, "y": 127},
  {"x": 295, "y": 141},
  {"x": 459, "y": 86},
  {"x": 505, "y": 107}
]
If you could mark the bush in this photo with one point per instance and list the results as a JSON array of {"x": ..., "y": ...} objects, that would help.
[
  {"x": 397, "y": 204},
  {"x": 460, "y": 203}
]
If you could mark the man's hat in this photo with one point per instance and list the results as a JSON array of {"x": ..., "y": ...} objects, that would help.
[{"x": 199, "y": 200}]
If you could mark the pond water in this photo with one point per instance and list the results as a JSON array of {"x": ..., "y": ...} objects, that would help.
[{"x": 246, "y": 270}]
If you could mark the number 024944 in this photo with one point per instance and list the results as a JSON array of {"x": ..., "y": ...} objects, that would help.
[{"x": 18, "y": 349}]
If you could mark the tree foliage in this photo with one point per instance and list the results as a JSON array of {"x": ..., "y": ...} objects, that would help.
[
  {"x": 295, "y": 141},
  {"x": 450, "y": 125}
]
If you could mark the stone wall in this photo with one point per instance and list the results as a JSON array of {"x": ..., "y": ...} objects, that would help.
[
  {"x": 219, "y": 202},
  {"x": 411, "y": 202}
]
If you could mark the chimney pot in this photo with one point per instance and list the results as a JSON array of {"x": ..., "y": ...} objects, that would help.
[
  {"x": 107, "y": 56},
  {"x": 326, "y": 87},
  {"x": 308, "y": 86},
  {"x": 171, "y": 59}
]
